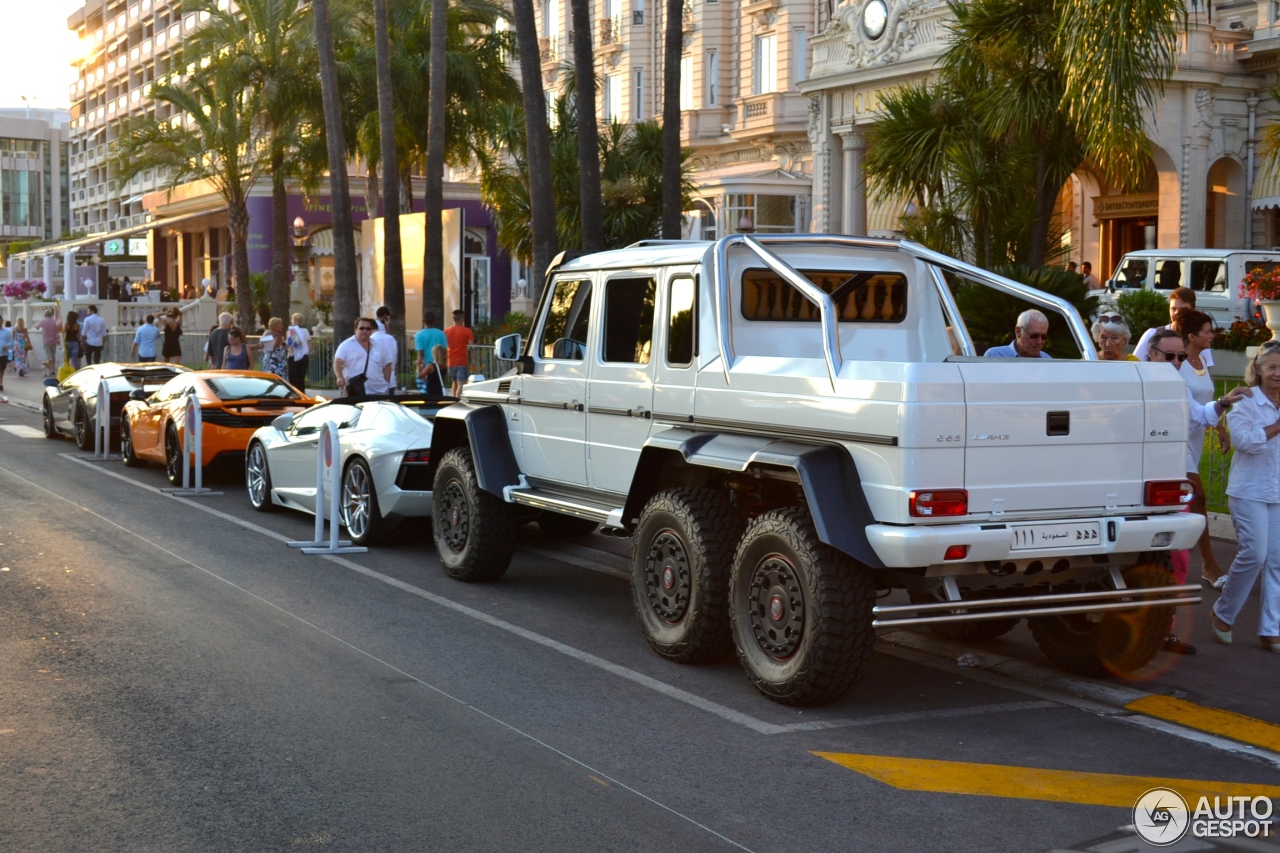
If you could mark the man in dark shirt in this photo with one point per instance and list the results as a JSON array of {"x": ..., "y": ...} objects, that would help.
[{"x": 217, "y": 343}]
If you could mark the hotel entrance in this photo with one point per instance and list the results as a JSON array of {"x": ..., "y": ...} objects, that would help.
[{"x": 1126, "y": 223}]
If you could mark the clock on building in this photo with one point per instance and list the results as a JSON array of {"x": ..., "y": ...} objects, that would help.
[{"x": 875, "y": 15}]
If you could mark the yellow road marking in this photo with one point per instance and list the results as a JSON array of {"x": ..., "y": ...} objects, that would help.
[
  {"x": 1225, "y": 723},
  {"x": 1031, "y": 783}
]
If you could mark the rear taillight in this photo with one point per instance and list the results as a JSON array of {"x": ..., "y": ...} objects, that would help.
[
  {"x": 956, "y": 552},
  {"x": 939, "y": 502},
  {"x": 418, "y": 456},
  {"x": 1167, "y": 493}
]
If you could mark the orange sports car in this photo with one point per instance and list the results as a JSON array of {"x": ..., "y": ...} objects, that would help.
[{"x": 233, "y": 404}]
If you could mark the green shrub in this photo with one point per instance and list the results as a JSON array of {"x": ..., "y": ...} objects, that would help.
[
  {"x": 991, "y": 316},
  {"x": 1143, "y": 309}
]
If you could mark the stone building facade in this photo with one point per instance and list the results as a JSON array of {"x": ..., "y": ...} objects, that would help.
[{"x": 1208, "y": 187}]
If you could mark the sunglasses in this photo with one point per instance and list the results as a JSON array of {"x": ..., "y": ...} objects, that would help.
[
  {"x": 1036, "y": 336},
  {"x": 1110, "y": 318},
  {"x": 364, "y": 328},
  {"x": 1171, "y": 356}
]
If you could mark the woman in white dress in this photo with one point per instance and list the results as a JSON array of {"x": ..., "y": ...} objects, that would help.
[{"x": 1196, "y": 328}]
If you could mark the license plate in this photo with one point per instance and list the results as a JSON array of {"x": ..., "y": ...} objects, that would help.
[{"x": 1039, "y": 536}]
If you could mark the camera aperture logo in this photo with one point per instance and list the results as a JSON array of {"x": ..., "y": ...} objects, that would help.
[{"x": 1161, "y": 817}]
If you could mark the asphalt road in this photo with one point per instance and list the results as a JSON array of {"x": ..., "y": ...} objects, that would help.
[{"x": 173, "y": 677}]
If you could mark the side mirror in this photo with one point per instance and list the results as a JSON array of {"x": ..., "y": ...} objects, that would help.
[
  {"x": 507, "y": 347},
  {"x": 283, "y": 422},
  {"x": 138, "y": 394}
]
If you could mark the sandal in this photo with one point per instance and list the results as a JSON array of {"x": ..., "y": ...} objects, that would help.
[
  {"x": 1272, "y": 643},
  {"x": 1223, "y": 635}
]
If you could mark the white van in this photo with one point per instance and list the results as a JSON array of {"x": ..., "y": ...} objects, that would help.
[{"x": 1214, "y": 274}]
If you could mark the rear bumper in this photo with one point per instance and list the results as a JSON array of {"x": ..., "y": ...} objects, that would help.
[{"x": 902, "y": 547}]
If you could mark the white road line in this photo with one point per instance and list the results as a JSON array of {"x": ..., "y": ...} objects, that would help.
[
  {"x": 23, "y": 431},
  {"x": 512, "y": 728},
  {"x": 1049, "y": 693},
  {"x": 916, "y": 716}
]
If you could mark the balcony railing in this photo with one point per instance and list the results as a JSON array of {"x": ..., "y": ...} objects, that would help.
[
  {"x": 549, "y": 49},
  {"x": 611, "y": 31}
]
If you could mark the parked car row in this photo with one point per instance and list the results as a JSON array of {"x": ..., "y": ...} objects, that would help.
[{"x": 259, "y": 422}]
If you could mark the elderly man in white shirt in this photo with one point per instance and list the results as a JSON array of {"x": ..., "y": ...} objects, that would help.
[{"x": 1253, "y": 495}]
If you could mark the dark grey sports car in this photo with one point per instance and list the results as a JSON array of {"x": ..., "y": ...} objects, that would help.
[{"x": 71, "y": 406}]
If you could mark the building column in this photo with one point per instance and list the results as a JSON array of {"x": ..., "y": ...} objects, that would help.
[
  {"x": 68, "y": 274},
  {"x": 854, "y": 197},
  {"x": 180, "y": 256}
]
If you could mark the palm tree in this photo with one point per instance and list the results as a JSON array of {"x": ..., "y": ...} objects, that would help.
[
  {"x": 673, "y": 44},
  {"x": 433, "y": 261},
  {"x": 1027, "y": 92},
  {"x": 393, "y": 270},
  {"x": 542, "y": 202},
  {"x": 588, "y": 135},
  {"x": 631, "y": 158},
  {"x": 269, "y": 42},
  {"x": 210, "y": 138},
  {"x": 346, "y": 299}
]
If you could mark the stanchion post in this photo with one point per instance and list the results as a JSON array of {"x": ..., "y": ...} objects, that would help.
[
  {"x": 328, "y": 478},
  {"x": 193, "y": 452}
]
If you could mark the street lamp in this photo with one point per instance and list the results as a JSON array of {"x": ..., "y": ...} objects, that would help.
[
  {"x": 746, "y": 225},
  {"x": 300, "y": 291}
]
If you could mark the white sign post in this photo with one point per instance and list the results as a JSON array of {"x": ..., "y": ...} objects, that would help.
[
  {"x": 101, "y": 425},
  {"x": 328, "y": 478},
  {"x": 193, "y": 453}
]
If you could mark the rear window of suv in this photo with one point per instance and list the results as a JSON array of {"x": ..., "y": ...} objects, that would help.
[{"x": 860, "y": 297}]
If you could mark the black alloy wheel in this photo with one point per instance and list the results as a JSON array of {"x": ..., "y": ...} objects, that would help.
[
  {"x": 50, "y": 426},
  {"x": 127, "y": 452}
]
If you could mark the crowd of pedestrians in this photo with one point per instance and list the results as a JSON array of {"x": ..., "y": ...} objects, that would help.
[{"x": 1251, "y": 427}]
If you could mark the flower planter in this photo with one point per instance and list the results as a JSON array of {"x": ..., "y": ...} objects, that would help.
[{"x": 1272, "y": 312}]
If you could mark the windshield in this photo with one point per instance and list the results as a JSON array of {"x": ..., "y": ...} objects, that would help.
[{"x": 251, "y": 388}]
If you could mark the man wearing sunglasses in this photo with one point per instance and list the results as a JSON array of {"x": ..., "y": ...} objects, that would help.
[
  {"x": 1029, "y": 338},
  {"x": 1180, "y": 299}
]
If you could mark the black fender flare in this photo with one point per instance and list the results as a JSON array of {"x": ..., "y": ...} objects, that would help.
[
  {"x": 828, "y": 475},
  {"x": 483, "y": 428}
]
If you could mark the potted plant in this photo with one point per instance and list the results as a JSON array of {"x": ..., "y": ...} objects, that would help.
[{"x": 1262, "y": 285}]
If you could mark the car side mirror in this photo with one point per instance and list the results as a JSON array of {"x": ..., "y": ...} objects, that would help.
[
  {"x": 283, "y": 422},
  {"x": 507, "y": 347},
  {"x": 138, "y": 394}
]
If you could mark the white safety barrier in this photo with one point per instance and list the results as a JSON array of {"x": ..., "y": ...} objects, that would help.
[
  {"x": 101, "y": 425},
  {"x": 328, "y": 478},
  {"x": 193, "y": 453}
]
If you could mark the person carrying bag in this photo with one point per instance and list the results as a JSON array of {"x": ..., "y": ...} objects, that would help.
[{"x": 376, "y": 375}]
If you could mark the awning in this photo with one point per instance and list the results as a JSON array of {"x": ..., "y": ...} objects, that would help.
[
  {"x": 884, "y": 219},
  {"x": 62, "y": 248},
  {"x": 1266, "y": 186},
  {"x": 322, "y": 242}
]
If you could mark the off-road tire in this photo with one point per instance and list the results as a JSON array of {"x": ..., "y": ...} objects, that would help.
[
  {"x": 257, "y": 478},
  {"x": 127, "y": 452},
  {"x": 358, "y": 487},
  {"x": 559, "y": 526},
  {"x": 681, "y": 555},
  {"x": 1123, "y": 641},
  {"x": 473, "y": 529},
  {"x": 80, "y": 428},
  {"x": 800, "y": 611},
  {"x": 50, "y": 428}
]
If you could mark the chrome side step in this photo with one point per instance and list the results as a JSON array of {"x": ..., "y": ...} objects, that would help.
[
  {"x": 934, "y": 613},
  {"x": 576, "y": 507}
]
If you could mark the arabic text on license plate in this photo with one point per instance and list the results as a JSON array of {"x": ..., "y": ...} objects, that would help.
[{"x": 1055, "y": 535}]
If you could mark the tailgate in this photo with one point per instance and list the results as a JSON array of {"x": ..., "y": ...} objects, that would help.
[{"x": 1069, "y": 435}]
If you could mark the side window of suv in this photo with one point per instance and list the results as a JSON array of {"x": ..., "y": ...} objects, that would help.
[
  {"x": 1209, "y": 276},
  {"x": 681, "y": 328},
  {"x": 1168, "y": 275},
  {"x": 564, "y": 334},
  {"x": 628, "y": 319}
]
